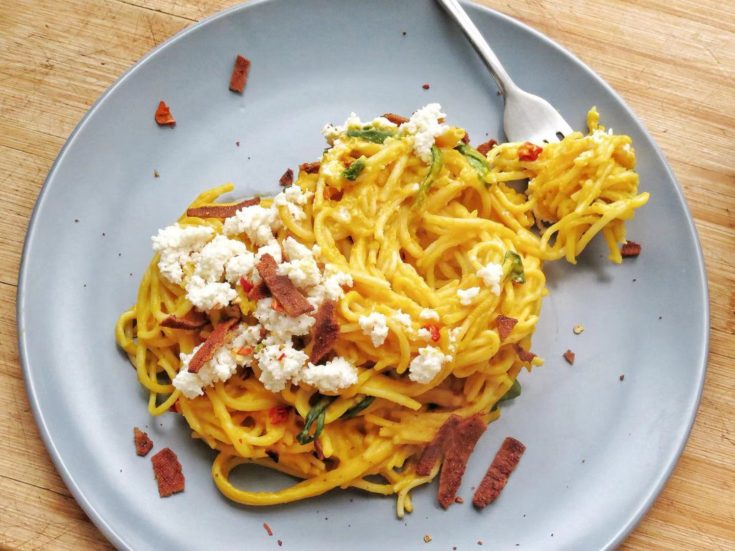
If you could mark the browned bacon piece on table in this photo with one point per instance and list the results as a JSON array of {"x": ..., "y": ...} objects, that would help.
[
  {"x": 497, "y": 474},
  {"x": 214, "y": 341},
  {"x": 169, "y": 475},
  {"x": 143, "y": 443}
]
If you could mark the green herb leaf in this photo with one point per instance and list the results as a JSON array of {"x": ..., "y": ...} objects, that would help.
[
  {"x": 358, "y": 407},
  {"x": 317, "y": 413},
  {"x": 476, "y": 159},
  {"x": 436, "y": 166},
  {"x": 354, "y": 170},
  {"x": 516, "y": 268},
  {"x": 513, "y": 392},
  {"x": 370, "y": 134}
]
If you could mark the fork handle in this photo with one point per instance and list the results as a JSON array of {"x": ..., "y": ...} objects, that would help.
[{"x": 503, "y": 80}]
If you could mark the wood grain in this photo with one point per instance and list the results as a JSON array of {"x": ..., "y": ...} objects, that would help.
[{"x": 673, "y": 61}]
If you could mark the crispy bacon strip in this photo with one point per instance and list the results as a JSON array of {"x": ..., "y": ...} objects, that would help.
[
  {"x": 287, "y": 178},
  {"x": 239, "y": 77},
  {"x": 164, "y": 116},
  {"x": 569, "y": 357},
  {"x": 455, "y": 459},
  {"x": 466, "y": 137},
  {"x": 168, "y": 472},
  {"x": 143, "y": 443},
  {"x": 191, "y": 321},
  {"x": 630, "y": 249},
  {"x": 395, "y": 119},
  {"x": 221, "y": 211},
  {"x": 523, "y": 354},
  {"x": 505, "y": 326},
  {"x": 259, "y": 291},
  {"x": 282, "y": 288},
  {"x": 214, "y": 341},
  {"x": 435, "y": 450},
  {"x": 325, "y": 331},
  {"x": 486, "y": 146},
  {"x": 497, "y": 474},
  {"x": 310, "y": 168}
]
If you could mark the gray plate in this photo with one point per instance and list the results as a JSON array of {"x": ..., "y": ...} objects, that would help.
[{"x": 599, "y": 450}]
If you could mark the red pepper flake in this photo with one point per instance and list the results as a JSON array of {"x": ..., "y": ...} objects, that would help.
[
  {"x": 310, "y": 168},
  {"x": 278, "y": 414},
  {"x": 569, "y": 357},
  {"x": 239, "y": 77},
  {"x": 523, "y": 354},
  {"x": 466, "y": 138},
  {"x": 164, "y": 116},
  {"x": 528, "y": 151},
  {"x": 167, "y": 470},
  {"x": 486, "y": 146},
  {"x": 426, "y": 86},
  {"x": 505, "y": 326},
  {"x": 267, "y": 528},
  {"x": 398, "y": 120},
  {"x": 434, "y": 330},
  {"x": 246, "y": 285},
  {"x": 496, "y": 477},
  {"x": 283, "y": 355},
  {"x": 630, "y": 249},
  {"x": 143, "y": 443},
  {"x": 215, "y": 339},
  {"x": 287, "y": 178}
]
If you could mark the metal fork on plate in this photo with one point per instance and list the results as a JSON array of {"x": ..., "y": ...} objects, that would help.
[{"x": 527, "y": 116}]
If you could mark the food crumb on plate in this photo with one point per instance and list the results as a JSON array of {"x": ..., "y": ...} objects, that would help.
[
  {"x": 578, "y": 329},
  {"x": 156, "y": 174},
  {"x": 426, "y": 86},
  {"x": 622, "y": 377},
  {"x": 267, "y": 528},
  {"x": 569, "y": 357},
  {"x": 427, "y": 538}
]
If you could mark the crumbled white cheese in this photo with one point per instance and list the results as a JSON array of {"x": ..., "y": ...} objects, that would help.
[
  {"x": 206, "y": 296},
  {"x": 177, "y": 246},
  {"x": 429, "y": 314},
  {"x": 466, "y": 296},
  {"x": 220, "y": 368},
  {"x": 279, "y": 364},
  {"x": 424, "y": 334},
  {"x": 281, "y": 326},
  {"x": 404, "y": 319},
  {"x": 424, "y": 126},
  {"x": 301, "y": 268},
  {"x": 242, "y": 265},
  {"x": 294, "y": 199},
  {"x": 272, "y": 248},
  {"x": 491, "y": 274},
  {"x": 453, "y": 338},
  {"x": 256, "y": 221},
  {"x": 215, "y": 255},
  {"x": 331, "y": 376},
  {"x": 424, "y": 367},
  {"x": 245, "y": 335},
  {"x": 374, "y": 326}
]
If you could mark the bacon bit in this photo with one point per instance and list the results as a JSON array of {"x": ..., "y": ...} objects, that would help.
[
  {"x": 630, "y": 249},
  {"x": 267, "y": 528},
  {"x": 569, "y": 357},
  {"x": 239, "y": 77},
  {"x": 280, "y": 543},
  {"x": 496, "y": 477},
  {"x": 278, "y": 414},
  {"x": 215, "y": 339},
  {"x": 246, "y": 285},
  {"x": 318, "y": 450},
  {"x": 325, "y": 331},
  {"x": 287, "y": 178},
  {"x": 164, "y": 116},
  {"x": 398, "y": 120},
  {"x": 458, "y": 452},
  {"x": 486, "y": 146},
  {"x": 621, "y": 378},
  {"x": 176, "y": 408},
  {"x": 191, "y": 321},
  {"x": 466, "y": 138},
  {"x": 221, "y": 211},
  {"x": 143, "y": 443},
  {"x": 426, "y": 86},
  {"x": 310, "y": 168},
  {"x": 528, "y": 151},
  {"x": 167, "y": 469},
  {"x": 259, "y": 291},
  {"x": 245, "y": 351},
  {"x": 435, "y": 450},
  {"x": 332, "y": 193},
  {"x": 523, "y": 354},
  {"x": 330, "y": 463},
  {"x": 505, "y": 326},
  {"x": 282, "y": 288},
  {"x": 273, "y": 455},
  {"x": 459, "y": 500},
  {"x": 434, "y": 330}
]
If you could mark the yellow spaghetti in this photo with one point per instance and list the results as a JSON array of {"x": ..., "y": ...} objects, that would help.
[{"x": 414, "y": 232}]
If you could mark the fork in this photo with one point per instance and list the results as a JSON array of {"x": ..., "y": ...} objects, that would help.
[{"x": 527, "y": 117}]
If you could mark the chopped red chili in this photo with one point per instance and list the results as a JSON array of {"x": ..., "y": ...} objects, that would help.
[
  {"x": 529, "y": 151},
  {"x": 278, "y": 414},
  {"x": 246, "y": 285},
  {"x": 434, "y": 330},
  {"x": 398, "y": 120},
  {"x": 486, "y": 146}
]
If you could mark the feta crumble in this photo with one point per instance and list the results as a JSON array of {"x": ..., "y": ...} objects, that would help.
[
  {"x": 424, "y": 334},
  {"x": 491, "y": 274},
  {"x": 466, "y": 296},
  {"x": 178, "y": 246},
  {"x": 424, "y": 126},
  {"x": 404, "y": 319},
  {"x": 374, "y": 326},
  {"x": 256, "y": 221},
  {"x": 215, "y": 255},
  {"x": 209, "y": 295},
  {"x": 220, "y": 368},
  {"x": 331, "y": 376},
  {"x": 429, "y": 314},
  {"x": 281, "y": 326},
  {"x": 427, "y": 365},
  {"x": 301, "y": 268},
  {"x": 294, "y": 199},
  {"x": 241, "y": 265},
  {"x": 279, "y": 364}
]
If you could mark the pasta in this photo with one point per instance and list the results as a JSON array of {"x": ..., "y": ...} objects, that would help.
[{"x": 433, "y": 258}]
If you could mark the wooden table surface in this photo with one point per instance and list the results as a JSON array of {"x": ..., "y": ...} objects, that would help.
[{"x": 673, "y": 61}]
